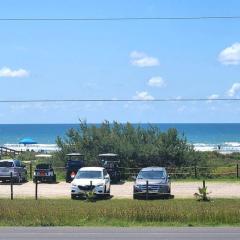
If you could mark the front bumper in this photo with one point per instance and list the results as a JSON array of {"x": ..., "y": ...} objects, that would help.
[
  {"x": 81, "y": 190},
  {"x": 156, "y": 190}
]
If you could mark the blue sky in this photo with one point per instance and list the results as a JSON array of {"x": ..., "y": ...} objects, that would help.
[{"x": 132, "y": 59}]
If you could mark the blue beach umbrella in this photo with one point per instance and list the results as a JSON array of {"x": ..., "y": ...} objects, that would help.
[{"x": 27, "y": 141}]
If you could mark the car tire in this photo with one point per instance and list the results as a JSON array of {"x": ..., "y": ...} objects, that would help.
[
  {"x": 135, "y": 196},
  {"x": 54, "y": 178},
  {"x": 19, "y": 179},
  {"x": 73, "y": 196},
  {"x": 108, "y": 193}
]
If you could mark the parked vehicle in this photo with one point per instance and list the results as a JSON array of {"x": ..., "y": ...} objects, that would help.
[
  {"x": 74, "y": 163},
  {"x": 44, "y": 173},
  {"x": 111, "y": 163},
  {"x": 153, "y": 181},
  {"x": 14, "y": 166},
  {"x": 95, "y": 179}
]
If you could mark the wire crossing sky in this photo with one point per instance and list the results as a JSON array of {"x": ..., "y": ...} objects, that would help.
[
  {"x": 126, "y": 18},
  {"x": 137, "y": 61}
]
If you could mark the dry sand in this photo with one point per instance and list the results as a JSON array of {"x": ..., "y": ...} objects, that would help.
[{"x": 179, "y": 190}]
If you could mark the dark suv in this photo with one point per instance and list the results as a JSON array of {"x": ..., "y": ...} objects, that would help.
[
  {"x": 153, "y": 181},
  {"x": 14, "y": 166},
  {"x": 44, "y": 173},
  {"x": 74, "y": 163}
]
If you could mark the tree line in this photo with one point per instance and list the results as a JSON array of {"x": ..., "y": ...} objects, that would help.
[{"x": 135, "y": 145}]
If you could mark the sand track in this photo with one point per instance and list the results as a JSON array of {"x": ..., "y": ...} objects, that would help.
[{"x": 179, "y": 189}]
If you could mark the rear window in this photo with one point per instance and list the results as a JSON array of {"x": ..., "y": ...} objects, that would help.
[
  {"x": 6, "y": 164},
  {"x": 43, "y": 166},
  {"x": 74, "y": 163}
]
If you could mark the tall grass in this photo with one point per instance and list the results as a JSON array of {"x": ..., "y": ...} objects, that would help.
[{"x": 184, "y": 212}]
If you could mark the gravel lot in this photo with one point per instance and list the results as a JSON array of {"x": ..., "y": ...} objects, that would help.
[{"x": 179, "y": 189}]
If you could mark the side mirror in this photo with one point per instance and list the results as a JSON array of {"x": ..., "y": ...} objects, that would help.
[
  {"x": 24, "y": 166},
  {"x": 169, "y": 177}
]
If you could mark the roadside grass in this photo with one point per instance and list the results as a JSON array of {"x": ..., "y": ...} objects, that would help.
[{"x": 119, "y": 212}]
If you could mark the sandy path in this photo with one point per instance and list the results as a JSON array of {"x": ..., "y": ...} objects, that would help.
[{"x": 179, "y": 189}]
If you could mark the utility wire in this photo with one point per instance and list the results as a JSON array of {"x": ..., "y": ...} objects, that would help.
[
  {"x": 125, "y": 18},
  {"x": 121, "y": 100}
]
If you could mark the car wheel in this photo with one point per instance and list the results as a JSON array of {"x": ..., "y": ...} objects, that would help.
[
  {"x": 19, "y": 179},
  {"x": 54, "y": 178},
  {"x": 73, "y": 196},
  {"x": 135, "y": 196}
]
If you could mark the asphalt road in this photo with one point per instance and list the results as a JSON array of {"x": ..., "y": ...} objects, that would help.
[{"x": 119, "y": 233}]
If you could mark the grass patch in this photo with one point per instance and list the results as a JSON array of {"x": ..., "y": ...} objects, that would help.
[{"x": 125, "y": 212}]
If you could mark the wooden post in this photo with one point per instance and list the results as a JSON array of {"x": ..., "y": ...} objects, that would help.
[
  {"x": 204, "y": 184},
  {"x": 36, "y": 188},
  {"x": 30, "y": 170},
  {"x": 237, "y": 171},
  {"x": 147, "y": 190},
  {"x": 195, "y": 171},
  {"x": 11, "y": 175}
]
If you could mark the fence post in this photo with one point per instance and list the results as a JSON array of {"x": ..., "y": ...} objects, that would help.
[
  {"x": 195, "y": 171},
  {"x": 147, "y": 190},
  {"x": 11, "y": 175},
  {"x": 204, "y": 184},
  {"x": 237, "y": 171},
  {"x": 31, "y": 169},
  {"x": 36, "y": 188}
]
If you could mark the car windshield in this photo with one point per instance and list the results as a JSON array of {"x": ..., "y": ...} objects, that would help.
[
  {"x": 151, "y": 175},
  {"x": 89, "y": 174},
  {"x": 6, "y": 164}
]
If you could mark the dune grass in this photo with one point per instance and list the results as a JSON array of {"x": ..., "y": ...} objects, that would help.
[{"x": 125, "y": 212}]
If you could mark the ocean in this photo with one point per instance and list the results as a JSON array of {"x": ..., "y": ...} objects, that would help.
[{"x": 205, "y": 137}]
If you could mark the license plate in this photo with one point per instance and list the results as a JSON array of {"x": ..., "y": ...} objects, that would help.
[{"x": 42, "y": 173}]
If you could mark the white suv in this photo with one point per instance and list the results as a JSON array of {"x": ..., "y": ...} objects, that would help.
[{"x": 94, "y": 179}]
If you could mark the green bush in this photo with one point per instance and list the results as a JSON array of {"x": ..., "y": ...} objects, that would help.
[{"x": 137, "y": 147}]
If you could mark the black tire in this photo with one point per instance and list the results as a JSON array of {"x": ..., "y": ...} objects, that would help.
[
  {"x": 54, "y": 179},
  {"x": 135, "y": 196},
  {"x": 73, "y": 196},
  {"x": 19, "y": 179},
  {"x": 108, "y": 193}
]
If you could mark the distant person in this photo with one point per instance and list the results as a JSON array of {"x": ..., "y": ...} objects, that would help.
[{"x": 219, "y": 147}]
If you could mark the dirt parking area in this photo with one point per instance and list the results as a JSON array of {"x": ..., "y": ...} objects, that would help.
[{"x": 179, "y": 189}]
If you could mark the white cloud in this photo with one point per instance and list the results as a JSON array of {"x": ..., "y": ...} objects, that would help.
[
  {"x": 8, "y": 72},
  {"x": 156, "y": 82},
  {"x": 233, "y": 91},
  {"x": 213, "y": 96},
  {"x": 182, "y": 108},
  {"x": 143, "y": 96},
  {"x": 230, "y": 55},
  {"x": 141, "y": 59}
]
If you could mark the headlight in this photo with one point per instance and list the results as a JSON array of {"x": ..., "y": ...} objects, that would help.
[
  {"x": 100, "y": 185},
  {"x": 74, "y": 185}
]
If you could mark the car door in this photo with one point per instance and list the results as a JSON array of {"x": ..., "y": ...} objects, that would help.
[
  {"x": 23, "y": 170},
  {"x": 17, "y": 167}
]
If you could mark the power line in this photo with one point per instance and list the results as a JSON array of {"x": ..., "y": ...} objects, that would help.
[
  {"x": 121, "y": 100},
  {"x": 125, "y": 18}
]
